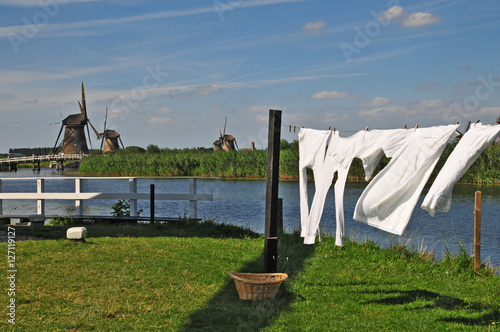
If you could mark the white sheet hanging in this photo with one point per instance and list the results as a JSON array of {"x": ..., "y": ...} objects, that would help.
[
  {"x": 369, "y": 147},
  {"x": 474, "y": 141},
  {"x": 389, "y": 200},
  {"x": 312, "y": 148}
]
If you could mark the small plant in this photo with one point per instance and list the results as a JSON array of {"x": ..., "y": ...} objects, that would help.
[
  {"x": 122, "y": 209},
  {"x": 61, "y": 221}
]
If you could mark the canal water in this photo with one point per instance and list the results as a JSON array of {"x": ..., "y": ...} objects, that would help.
[{"x": 242, "y": 203}]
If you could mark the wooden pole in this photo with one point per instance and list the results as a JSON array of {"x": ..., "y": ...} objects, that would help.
[
  {"x": 477, "y": 232},
  {"x": 280, "y": 214},
  {"x": 152, "y": 203},
  {"x": 273, "y": 160}
]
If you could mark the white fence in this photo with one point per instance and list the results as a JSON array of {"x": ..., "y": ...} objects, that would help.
[
  {"x": 79, "y": 197},
  {"x": 42, "y": 158}
]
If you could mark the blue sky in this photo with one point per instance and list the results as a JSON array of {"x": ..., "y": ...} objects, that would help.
[{"x": 171, "y": 71}]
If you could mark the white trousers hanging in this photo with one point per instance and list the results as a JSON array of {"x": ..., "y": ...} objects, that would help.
[{"x": 312, "y": 147}]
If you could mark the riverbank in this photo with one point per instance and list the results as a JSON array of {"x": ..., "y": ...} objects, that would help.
[
  {"x": 174, "y": 277},
  {"x": 253, "y": 164}
]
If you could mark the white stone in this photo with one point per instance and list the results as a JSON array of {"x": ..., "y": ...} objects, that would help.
[{"x": 76, "y": 233}]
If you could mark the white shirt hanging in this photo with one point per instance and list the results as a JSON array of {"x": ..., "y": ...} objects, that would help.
[
  {"x": 389, "y": 200},
  {"x": 474, "y": 141}
]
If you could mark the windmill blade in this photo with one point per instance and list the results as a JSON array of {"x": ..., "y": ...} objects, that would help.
[
  {"x": 225, "y": 122},
  {"x": 237, "y": 147},
  {"x": 104, "y": 131},
  {"x": 458, "y": 133},
  {"x": 84, "y": 104},
  {"x": 58, "y": 136},
  {"x": 88, "y": 133},
  {"x": 105, "y": 118},
  {"x": 81, "y": 108},
  {"x": 102, "y": 143},
  {"x": 95, "y": 130},
  {"x": 120, "y": 139}
]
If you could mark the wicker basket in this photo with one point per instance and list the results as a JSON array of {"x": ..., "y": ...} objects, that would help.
[{"x": 257, "y": 286}]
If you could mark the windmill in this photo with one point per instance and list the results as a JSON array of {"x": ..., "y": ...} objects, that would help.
[
  {"x": 225, "y": 142},
  {"x": 74, "y": 140},
  {"x": 459, "y": 134},
  {"x": 110, "y": 138}
]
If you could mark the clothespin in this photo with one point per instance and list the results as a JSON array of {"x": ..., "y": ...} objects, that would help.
[
  {"x": 330, "y": 128},
  {"x": 366, "y": 129},
  {"x": 416, "y": 127},
  {"x": 294, "y": 129},
  {"x": 334, "y": 130},
  {"x": 457, "y": 121},
  {"x": 406, "y": 126},
  {"x": 476, "y": 122},
  {"x": 302, "y": 126},
  {"x": 290, "y": 128}
]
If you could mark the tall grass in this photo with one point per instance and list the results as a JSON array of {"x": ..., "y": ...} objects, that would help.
[{"x": 251, "y": 164}]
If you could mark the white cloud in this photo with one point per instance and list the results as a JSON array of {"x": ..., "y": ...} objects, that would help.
[
  {"x": 196, "y": 90},
  {"x": 263, "y": 109},
  {"x": 428, "y": 86},
  {"x": 413, "y": 20},
  {"x": 117, "y": 114},
  {"x": 6, "y": 31},
  {"x": 159, "y": 121},
  {"x": 392, "y": 13},
  {"x": 420, "y": 19},
  {"x": 314, "y": 27},
  {"x": 423, "y": 108},
  {"x": 163, "y": 110},
  {"x": 379, "y": 101},
  {"x": 331, "y": 95},
  {"x": 33, "y": 3},
  {"x": 262, "y": 118}
]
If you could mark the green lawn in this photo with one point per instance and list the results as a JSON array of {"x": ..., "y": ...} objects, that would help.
[{"x": 174, "y": 278}]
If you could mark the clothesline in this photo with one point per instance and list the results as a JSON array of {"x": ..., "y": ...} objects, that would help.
[{"x": 295, "y": 127}]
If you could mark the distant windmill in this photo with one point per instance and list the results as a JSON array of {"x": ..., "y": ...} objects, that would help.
[
  {"x": 110, "y": 138},
  {"x": 74, "y": 141},
  {"x": 225, "y": 142}
]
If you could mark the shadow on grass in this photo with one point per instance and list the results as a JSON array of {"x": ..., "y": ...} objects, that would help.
[
  {"x": 443, "y": 302},
  {"x": 226, "y": 312},
  {"x": 182, "y": 228},
  {"x": 409, "y": 296}
]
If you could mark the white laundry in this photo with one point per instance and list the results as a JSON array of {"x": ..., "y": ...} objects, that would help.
[
  {"x": 474, "y": 141},
  {"x": 369, "y": 146},
  {"x": 389, "y": 200},
  {"x": 312, "y": 148}
]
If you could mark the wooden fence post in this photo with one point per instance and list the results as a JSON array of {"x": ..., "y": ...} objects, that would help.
[
  {"x": 40, "y": 203},
  {"x": 78, "y": 202},
  {"x": 133, "y": 190},
  {"x": 1, "y": 205},
  {"x": 477, "y": 232},
  {"x": 193, "y": 206},
  {"x": 273, "y": 159},
  {"x": 152, "y": 203}
]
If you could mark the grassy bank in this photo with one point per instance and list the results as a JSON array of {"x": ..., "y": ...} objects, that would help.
[
  {"x": 174, "y": 278},
  {"x": 251, "y": 164}
]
